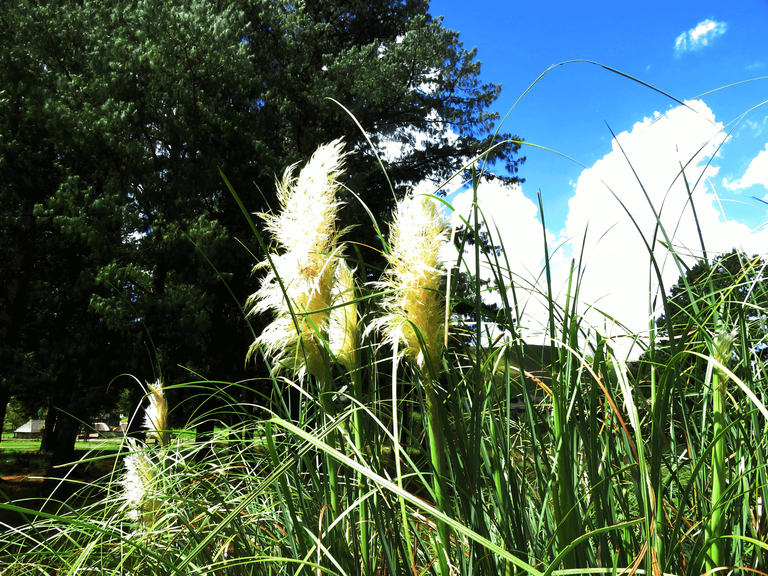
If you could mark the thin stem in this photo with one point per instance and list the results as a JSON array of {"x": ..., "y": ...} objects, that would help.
[
  {"x": 398, "y": 471},
  {"x": 329, "y": 412},
  {"x": 436, "y": 450},
  {"x": 360, "y": 443},
  {"x": 716, "y": 527}
]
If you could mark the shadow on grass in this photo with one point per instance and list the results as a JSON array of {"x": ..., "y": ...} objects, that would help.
[{"x": 22, "y": 481}]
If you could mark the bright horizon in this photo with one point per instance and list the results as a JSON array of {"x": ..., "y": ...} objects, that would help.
[{"x": 684, "y": 49}]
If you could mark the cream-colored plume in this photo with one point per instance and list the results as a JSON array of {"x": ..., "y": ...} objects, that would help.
[
  {"x": 140, "y": 478},
  {"x": 138, "y": 483},
  {"x": 306, "y": 234},
  {"x": 414, "y": 305},
  {"x": 344, "y": 329},
  {"x": 156, "y": 414}
]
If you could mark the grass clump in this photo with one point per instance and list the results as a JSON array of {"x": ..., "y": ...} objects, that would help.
[{"x": 481, "y": 453}]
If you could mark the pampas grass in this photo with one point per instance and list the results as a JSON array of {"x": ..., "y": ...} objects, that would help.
[
  {"x": 722, "y": 350},
  {"x": 156, "y": 414},
  {"x": 414, "y": 312},
  {"x": 139, "y": 479},
  {"x": 138, "y": 483},
  {"x": 658, "y": 466},
  {"x": 299, "y": 285},
  {"x": 413, "y": 305},
  {"x": 344, "y": 324},
  {"x": 305, "y": 279}
]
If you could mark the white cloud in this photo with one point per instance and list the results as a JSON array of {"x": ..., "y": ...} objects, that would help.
[
  {"x": 618, "y": 277},
  {"x": 699, "y": 36},
  {"x": 756, "y": 127},
  {"x": 756, "y": 174},
  {"x": 751, "y": 127},
  {"x": 513, "y": 221}
]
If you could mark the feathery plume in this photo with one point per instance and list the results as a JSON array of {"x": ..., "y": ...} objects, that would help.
[
  {"x": 723, "y": 349},
  {"x": 306, "y": 235},
  {"x": 156, "y": 414},
  {"x": 138, "y": 483},
  {"x": 415, "y": 308},
  {"x": 344, "y": 328}
]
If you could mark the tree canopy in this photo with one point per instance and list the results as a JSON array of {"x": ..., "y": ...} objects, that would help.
[
  {"x": 120, "y": 240},
  {"x": 726, "y": 295}
]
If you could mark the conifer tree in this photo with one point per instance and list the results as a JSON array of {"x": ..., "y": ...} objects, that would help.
[{"x": 117, "y": 119}]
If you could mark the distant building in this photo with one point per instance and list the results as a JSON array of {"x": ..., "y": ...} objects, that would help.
[
  {"x": 102, "y": 430},
  {"x": 30, "y": 430}
]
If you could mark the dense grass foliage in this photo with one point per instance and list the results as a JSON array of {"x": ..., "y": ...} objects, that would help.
[{"x": 400, "y": 438}]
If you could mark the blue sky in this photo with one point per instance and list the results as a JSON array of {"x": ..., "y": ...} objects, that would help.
[{"x": 683, "y": 48}]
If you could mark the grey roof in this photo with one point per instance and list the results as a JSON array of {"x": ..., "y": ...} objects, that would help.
[{"x": 31, "y": 427}]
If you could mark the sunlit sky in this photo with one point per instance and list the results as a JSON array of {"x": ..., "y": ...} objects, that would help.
[{"x": 685, "y": 49}]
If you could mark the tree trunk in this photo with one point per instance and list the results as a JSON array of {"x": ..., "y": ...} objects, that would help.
[
  {"x": 14, "y": 299},
  {"x": 64, "y": 447},
  {"x": 67, "y": 425},
  {"x": 48, "y": 439},
  {"x": 5, "y": 397}
]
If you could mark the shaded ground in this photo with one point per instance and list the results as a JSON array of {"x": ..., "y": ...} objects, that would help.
[{"x": 22, "y": 483}]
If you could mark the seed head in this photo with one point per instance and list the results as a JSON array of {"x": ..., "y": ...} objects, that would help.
[
  {"x": 138, "y": 482},
  {"x": 306, "y": 235},
  {"x": 156, "y": 414},
  {"x": 415, "y": 307},
  {"x": 723, "y": 349},
  {"x": 344, "y": 329}
]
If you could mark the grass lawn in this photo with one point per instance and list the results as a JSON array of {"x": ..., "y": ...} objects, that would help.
[
  {"x": 22, "y": 457},
  {"x": 11, "y": 445}
]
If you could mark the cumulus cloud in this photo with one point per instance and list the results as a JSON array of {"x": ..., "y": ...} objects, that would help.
[
  {"x": 699, "y": 36},
  {"x": 612, "y": 226},
  {"x": 619, "y": 200},
  {"x": 756, "y": 174},
  {"x": 513, "y": 222},
  {"x": 511, "y": 219}
]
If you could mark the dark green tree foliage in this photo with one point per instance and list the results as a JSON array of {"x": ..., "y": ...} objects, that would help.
[
  {"x": 99, "y": 193},
  {"x": 60, "y": 222},
  {"x": 464, "y": 282},
  {"x": 118, "y": 232},
  {"x": 24, "y": 164},
  {"x": 408, "y": 82},
  {"x": 731, "y": 291}
]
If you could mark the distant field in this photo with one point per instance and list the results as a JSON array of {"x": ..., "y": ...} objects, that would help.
[{"x": 10, "y": 445}]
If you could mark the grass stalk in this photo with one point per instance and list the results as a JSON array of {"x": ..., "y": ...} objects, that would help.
[
  {"x": 397, "y": 454},
  {"x": 362, "y": 449},
  {"x": 528, "y": 459},
  {"x": 436, "y": 452},
  {"x": 722, "y": 350}
]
